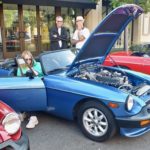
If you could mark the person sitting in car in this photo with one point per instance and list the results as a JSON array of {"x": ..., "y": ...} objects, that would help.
[
  {"x": 35, "y": 67},
  {"x": 30, "y": 64}
]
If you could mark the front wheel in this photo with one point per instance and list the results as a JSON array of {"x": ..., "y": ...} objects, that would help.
[{"x": 96, "y": 121}]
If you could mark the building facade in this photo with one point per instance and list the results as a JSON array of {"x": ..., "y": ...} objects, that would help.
[
  {"x": 25, "y": 24},
  {"x": 141, "y": 31}
]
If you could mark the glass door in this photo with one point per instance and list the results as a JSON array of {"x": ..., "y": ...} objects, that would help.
[
  {"x": 11, "y": 33},
  {"x": 20, "y": 29},
  {"x": 47, "y": 20},
  {"x": 30, "y": 28}
]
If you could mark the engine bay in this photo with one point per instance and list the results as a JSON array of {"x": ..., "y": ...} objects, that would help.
[{"x": 114, "y": 78}]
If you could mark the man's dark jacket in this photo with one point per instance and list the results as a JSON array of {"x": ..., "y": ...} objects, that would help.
[{"x": 64, "y": 37}]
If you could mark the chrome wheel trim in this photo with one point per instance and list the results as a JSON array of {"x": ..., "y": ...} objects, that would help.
[{"x": 95, "y": 122}]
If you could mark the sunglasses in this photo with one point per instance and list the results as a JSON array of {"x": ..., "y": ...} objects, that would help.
[
  {"x": 59, "y": 21},
  {"x": 28, "y": 59}
]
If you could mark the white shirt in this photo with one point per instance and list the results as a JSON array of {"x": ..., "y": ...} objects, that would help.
[
  {"x": 60, "y": 42},
  {"x": 84, "y": 32}
]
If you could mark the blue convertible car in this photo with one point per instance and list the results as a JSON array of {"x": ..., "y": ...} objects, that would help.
[{"x": 103, "y": 100}]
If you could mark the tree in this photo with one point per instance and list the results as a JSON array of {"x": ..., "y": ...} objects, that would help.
[{"x": 145, "y": 4}]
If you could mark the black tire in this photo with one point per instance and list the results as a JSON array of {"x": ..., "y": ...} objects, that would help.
[{"x": 108, "y": 131}]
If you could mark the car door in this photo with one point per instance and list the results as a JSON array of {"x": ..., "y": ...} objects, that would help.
[{"x": 23, "y": 93}]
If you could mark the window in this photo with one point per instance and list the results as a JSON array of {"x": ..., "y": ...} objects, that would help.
[{"x": 47, "y": 20}]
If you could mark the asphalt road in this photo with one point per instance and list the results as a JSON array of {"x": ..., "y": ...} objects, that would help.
[{"x": 54, "y": 133}]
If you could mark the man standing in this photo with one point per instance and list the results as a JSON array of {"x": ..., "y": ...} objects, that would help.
[
  {"x": 58, "y": 35},
  {"x": 81, "y": 33}
]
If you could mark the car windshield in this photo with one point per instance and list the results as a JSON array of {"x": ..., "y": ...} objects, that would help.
[{"x": 56, "y": 60}]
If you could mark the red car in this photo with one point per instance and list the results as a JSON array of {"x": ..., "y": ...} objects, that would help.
[
  {"x": 137, "y": 61},
  {"x": 11, "y": 135}
]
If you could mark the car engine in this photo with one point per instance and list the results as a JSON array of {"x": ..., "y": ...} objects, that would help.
[
  {"x": 110, "y": 77},
  {"x": 105, "y": 77}
]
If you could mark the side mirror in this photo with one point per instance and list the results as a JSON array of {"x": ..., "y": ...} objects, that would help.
[{"x": 30, "y": 74}]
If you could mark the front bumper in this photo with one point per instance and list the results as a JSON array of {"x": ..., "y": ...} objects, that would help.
[
  {"x": 21, "y": 144},
  {"x": 131, "y": 126}
]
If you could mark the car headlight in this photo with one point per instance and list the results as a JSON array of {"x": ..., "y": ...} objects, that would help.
[
  {"x": 129, "y": 103},
  {"x": 11, "y": 123}
]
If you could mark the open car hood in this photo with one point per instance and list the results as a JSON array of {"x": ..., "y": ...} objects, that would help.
[{"x": 101, "y": 40}]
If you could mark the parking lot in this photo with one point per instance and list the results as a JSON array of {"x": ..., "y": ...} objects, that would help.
[{"x": 54, "y": 133}]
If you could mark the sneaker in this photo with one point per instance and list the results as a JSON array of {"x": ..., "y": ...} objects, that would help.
[{"x": 33, "y": 121}]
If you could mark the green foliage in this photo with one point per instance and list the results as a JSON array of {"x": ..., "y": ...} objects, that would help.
[
  {"x": 30, "y": 18},
  {"x": 10, "y": 17},
  {"x": 140, "y": 48},
  {"x": 145, "y": 4}
]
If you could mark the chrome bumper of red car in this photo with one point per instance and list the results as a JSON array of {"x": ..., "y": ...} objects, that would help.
[{"x": 21, "y": 144}]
